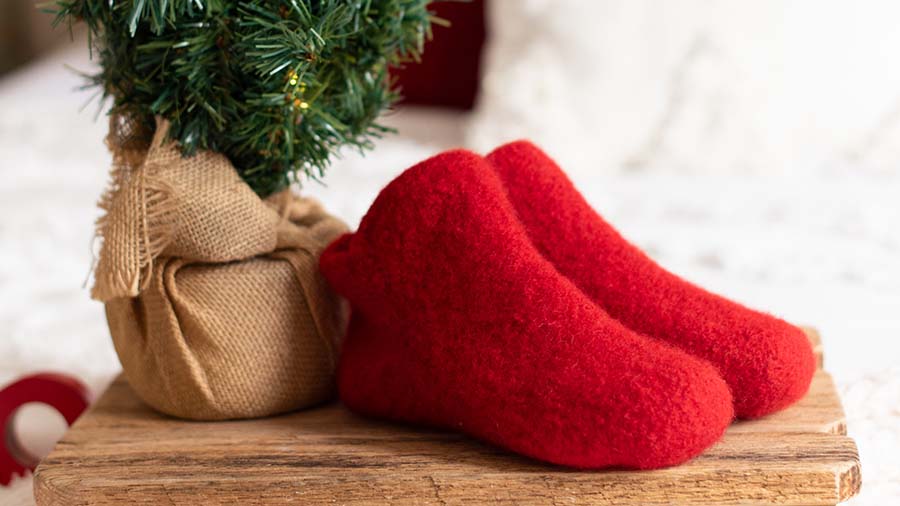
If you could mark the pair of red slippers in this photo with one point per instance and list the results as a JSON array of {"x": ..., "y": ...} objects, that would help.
[{"x": 489, "y": 298}]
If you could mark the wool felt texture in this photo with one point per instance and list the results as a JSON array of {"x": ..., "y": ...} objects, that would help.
[
  {"x": 767, "y": 362},
  {"x": 458, "y": 322}
]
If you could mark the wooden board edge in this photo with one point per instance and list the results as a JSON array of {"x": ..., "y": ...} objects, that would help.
[
  {"x": 50, "y": 492},
  {"x": 849, "y": 481},
  {"x": 837, "y": 427}
]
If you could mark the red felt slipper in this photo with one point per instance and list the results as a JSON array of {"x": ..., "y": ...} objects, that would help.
[
  {"x": 767, "y": 362},
  {"x": 458, "y": 322}
]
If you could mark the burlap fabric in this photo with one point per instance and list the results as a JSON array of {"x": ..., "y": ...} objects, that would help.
[{"x": 214, "y": 299}]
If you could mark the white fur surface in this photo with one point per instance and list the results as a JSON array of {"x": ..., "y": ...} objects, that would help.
[{"x": 818, "y": 247}]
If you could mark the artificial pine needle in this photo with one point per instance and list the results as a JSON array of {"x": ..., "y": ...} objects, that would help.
[{"x": 278, "y": 86}]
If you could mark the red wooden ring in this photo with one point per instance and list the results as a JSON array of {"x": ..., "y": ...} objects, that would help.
[{"x": 64, "y": 393}]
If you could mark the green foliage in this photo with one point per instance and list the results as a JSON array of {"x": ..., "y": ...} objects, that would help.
[{"x": 275, "y": 85}]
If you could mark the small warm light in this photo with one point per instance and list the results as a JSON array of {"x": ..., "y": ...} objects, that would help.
[
  {"x": 301, "y": 104},
  {"x": 293, "y": 81}
]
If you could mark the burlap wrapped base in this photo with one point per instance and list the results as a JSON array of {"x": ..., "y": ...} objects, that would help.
[{"x": 214, "y": 299}]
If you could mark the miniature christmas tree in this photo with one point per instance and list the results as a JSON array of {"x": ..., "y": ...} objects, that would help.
[{"x": 209, "y": 271}]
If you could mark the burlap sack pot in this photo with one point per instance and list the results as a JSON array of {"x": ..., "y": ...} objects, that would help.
[{"x": 214, "y": 299}]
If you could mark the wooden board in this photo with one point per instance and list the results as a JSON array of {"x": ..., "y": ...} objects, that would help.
[{"x": 121, "y": 452}]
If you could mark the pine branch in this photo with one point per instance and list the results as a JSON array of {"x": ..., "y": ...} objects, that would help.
[{"x": 276, "y": 85}]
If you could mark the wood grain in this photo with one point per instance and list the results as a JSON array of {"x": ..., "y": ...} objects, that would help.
[{"x": 121, "y": 452}]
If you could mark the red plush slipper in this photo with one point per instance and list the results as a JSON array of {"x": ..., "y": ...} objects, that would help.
[
  {"x": 458, "y": 322},
  {"x": 767, "y": 362}
]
